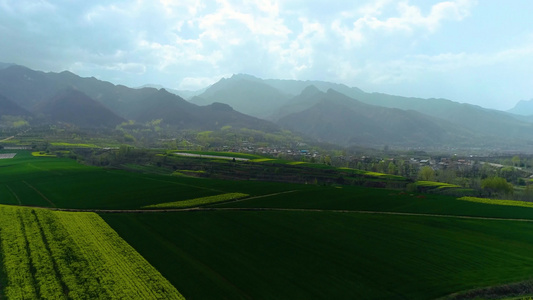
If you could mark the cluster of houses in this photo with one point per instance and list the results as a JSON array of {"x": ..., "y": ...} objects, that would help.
[
  {"x": 274, "y": 151},
  {"x": 442, "y": 163}
]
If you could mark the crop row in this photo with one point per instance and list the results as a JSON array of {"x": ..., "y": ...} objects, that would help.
[
  {"x": 59, "y": 255},
  {"x": 199, "y": 201}
]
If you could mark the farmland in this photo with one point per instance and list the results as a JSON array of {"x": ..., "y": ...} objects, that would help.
[
  {"x": 63, "y": 183},
  {"x": 59, "y": 255},
  {"x": 248, "y": 239},
  {"x": 325, "y": 255},
  {"x": 200, "y": 201}
]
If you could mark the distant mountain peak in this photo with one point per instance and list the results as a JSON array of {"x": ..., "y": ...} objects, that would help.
[
  {"x": 310, "y": 91},
  {"x": 523, "y": 108},
  {"x": 334, "y": 92},
  {"x": 245, "y": 77},
  {"x": 220, "y": 106}
]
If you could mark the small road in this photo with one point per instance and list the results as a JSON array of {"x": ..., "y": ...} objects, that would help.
[{"x": 7, "y": 139}]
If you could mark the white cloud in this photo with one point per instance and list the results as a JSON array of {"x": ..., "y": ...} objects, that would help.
[
  {"x": 374, "y": 8},
  {"x": 27, "y": 7},
  {"x": 195, "y": 42},
  {"x": 406, "y": 19},
  {"x": 133, "y": 68}
]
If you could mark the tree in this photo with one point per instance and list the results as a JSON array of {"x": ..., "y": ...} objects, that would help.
[
  {"x": 392, "y": 168},
  {"x": 516, "y": 160},
  {"x": 427, "y": 173},
  {"x": 509, "y": 173},
  {"x": 496, "y": 185}
]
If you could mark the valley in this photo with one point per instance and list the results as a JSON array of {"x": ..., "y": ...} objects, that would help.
[
  {"x": 327, "y": 192},
  {"x": 254, "y": 244},
  {"x": 228, "y": 149}
]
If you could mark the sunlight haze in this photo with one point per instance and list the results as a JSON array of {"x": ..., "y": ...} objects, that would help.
[{"x": 470, "y": 51}]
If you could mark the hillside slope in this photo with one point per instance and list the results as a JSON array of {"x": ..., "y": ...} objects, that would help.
[
  {"x": 8, "y": 107},
  {"x": 523, "y": 108},
  {"x": 336, "y": 118},
  {"x": 33, "y": 90},
  {"x": 74, "y": 107},
  {"x": 247, "y": 94}
]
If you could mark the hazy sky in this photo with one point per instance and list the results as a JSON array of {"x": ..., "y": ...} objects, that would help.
[{"x": 479, "y": 52}]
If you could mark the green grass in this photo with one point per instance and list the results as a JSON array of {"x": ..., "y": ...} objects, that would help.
[
  {"x": 147, "y": 169},
  {"x": 61, "y": 144},
  {"x": 498, "y": 202},
  {"x": 327, "y": 255},
  {"x": 438, "y": 185},
  {"x": 42, "y": 154},
  {"x": 59, "y": 255},
  {"x": 372, "y": 199},
  {"x": 199, "y": 201},
  {"x": 319, "y": 254},
  {"x": 354, "y": 171},
  {"x": 295, "y": 163},
  {"x": 68, "y": 184},
  {"x": 263, "y": 160},
  {"x": 383, "y": 175},
  {"x": 62, "y": 182}
]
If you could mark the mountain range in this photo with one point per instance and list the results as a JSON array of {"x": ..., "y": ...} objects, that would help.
[
  {"x": 327, "y": 112},
  {"x": 89, "y": 102},
  {"x": 298, "y": 106}
]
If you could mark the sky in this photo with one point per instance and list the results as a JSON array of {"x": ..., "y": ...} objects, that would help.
[{"x": 469, "y": 51}]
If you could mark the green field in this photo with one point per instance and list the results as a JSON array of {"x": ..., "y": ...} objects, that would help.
[
  {"x": 61, "y": 182},
  {"x": 282, "y": 241},
  {"x": 327, "y": 255},
  {"x": 199, "y": 201},
  {"x": 438, "y": 185},
  {"x": 354, "y": 198},
  {"x": 59, "y": 255},
  {"x": 70, "y": 145}
]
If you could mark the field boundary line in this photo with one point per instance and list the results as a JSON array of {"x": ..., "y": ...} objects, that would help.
[
  {"x": 358, "y": 212},
  {"x": 199, "y": 209},
  {"x": 39, "y": 192},
  {"x": 14, "y": 194}
]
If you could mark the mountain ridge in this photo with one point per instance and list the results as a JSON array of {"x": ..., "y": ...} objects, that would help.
[
  {"x": 74, "y": 107},
  {"x": 337, "y": 118},
  {"x": 378, "y": 118},
  {"x": 28, "y": 88},
  {"x": 523, "y": 108}
]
